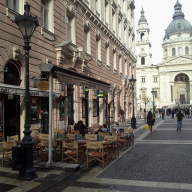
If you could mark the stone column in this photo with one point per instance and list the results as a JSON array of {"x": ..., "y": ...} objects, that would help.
[
  {"x": 173, "y": 88},
  {"x": 190, "y": 95}
]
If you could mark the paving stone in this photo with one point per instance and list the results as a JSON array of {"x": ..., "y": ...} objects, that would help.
[
  {"x": 170, "y": 135},
  {"x": 160, "y": 163}
]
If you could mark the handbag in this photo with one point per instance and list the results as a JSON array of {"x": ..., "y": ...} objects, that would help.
[
  {"x": 146, "y": 127},
  {"x": 153, "y": 119}
]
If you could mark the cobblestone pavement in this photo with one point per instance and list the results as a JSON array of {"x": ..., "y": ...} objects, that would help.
[{"x": 161, "y": 162}]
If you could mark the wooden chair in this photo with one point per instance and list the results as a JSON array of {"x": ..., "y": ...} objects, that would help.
[
  {"x": 44, "y": 148},
  {"x": 114, "y": 147},
  {"x": 71, "y": 151},
  {"x": 7, "y": 151},
  {"x": 95, "y": 151},
  {"x": 122, "y": 141},
  {"x": 70, "y": 137},
  {"x": 12, "y": 138},
  {"x": 103, "y": 133},
  {"x": 76, "y": 132},
  {"x": 130, "y": 137},
  {"x": 91, "y": 137},
  {"x": 61, "y": 132}
]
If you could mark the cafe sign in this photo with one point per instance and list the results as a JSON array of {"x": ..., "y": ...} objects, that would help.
[{"x": 43, "y": 85}]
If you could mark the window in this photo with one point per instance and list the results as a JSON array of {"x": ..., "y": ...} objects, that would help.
[
  {"x": 119, "y": 27},
  {"x": 142, "y": 37},
  {"x": 107, "y": 56},
  {"x": 45, "y": 14},
  {"x": 106, "y": 12},
  {"x": 68, "y": 22},
  {"x": 180, "y": 50},
  {"x": 13, "y": 4},
  {"x": 98, "y": 49},
  {"x": 155, "y": 79},
  {"x": 114, "y": 61},
  {"x": 125, "y": 68},
  {"x": 186, "y": 50},
  {"x": 155, "y": 94},
  {"x": 173, "y": 52},
  {"x": 87, "y": 41},
  {"x": 143, "y": 61},
  {"x": 143, "y": 79},
  {"x": 114, "y": 21},
  {"x": 120, "y": 65},
  {"x": 179, "y": 26}
]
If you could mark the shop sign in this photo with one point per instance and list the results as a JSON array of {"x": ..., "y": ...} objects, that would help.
[
  {"x": 32, "y": 92},
  {"x": 43, "y": 85},
  {"x": 62, "y": 124},
  {"x": 89, "y": 85},
  {"x": 10, "y": 97},
  {"x": 100, "y": 95}
]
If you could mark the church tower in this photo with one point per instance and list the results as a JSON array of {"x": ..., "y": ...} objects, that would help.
[{"x": 143, "y": 44}]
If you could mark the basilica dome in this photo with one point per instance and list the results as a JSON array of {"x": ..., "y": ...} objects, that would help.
[{"x": 179, "y": 23}]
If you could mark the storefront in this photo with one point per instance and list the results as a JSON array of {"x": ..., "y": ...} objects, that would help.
[
  {"x": 84, "y": 105},
  {"x": 12, "y": 109}
]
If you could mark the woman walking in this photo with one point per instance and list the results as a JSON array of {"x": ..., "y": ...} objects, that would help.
[{"x": 150, "y": 121}]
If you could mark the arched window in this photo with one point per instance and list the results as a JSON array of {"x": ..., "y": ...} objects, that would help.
[
  {"x": 142, "y": 37},
  {"x": 143, "y": 61},
  {"x": 186, "y": 50},
  {"x": 173, "y": 52},
  {"x": 180, "y": 51},
  {"x": 12, "y": 77}
]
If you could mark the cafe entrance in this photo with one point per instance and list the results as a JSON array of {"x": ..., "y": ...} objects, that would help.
[
  {"x": 11, "y": 101},
  {"x": 12, "y": 115}
]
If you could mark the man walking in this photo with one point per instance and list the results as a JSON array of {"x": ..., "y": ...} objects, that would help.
[{"x": 179, "y": 117}]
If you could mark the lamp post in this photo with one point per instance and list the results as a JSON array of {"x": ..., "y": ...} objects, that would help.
[
  {"x": 153, "y": 93},
  {"x": 133, "y": 120},
  {"x": 27, "y": 25}
]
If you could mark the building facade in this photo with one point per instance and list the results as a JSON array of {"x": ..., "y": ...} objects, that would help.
[
  {"x": 171, "y": 79},
  {"x": 84, "y": 48}
]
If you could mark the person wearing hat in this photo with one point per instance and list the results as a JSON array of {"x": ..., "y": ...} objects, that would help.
[{"x": 81, "y": 127}]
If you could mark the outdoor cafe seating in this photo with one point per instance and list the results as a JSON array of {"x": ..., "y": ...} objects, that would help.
[{"x": 70, "y": 146}]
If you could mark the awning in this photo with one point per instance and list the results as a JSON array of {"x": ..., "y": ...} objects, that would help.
[
  {"x": 17, "y": 90},
  {"x": 74, "y": 78}
]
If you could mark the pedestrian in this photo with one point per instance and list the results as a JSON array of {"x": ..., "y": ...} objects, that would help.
[
  {"x": 122, "y": 115},
  {"x": 163, "y": 113},
  {"x": 160, "y": 112},
  {"x": 150, "y": 121},
  {"x": 179, "y": 117},
  {"x": 173, "y": 112},
  {"x": 81, "y": 127}
]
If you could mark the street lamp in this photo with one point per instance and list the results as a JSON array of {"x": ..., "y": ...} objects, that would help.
[
  {"x": 27, "y": 25},
  {"x": 153, "y": 93},
  {"x": 132, "y": 83}
]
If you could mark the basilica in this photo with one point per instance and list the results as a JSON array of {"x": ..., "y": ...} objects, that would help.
[{"x": 170, "y": 80}]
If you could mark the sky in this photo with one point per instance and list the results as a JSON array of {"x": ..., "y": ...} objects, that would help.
[{"x": 159, "y": 14}]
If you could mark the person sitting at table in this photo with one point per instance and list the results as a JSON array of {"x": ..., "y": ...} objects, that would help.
[
  {"x": 81, "y": 127},
  {"x": 103, "y": 129}
]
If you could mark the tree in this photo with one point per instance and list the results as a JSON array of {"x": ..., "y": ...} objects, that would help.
[{"x": 145, "y": 99}]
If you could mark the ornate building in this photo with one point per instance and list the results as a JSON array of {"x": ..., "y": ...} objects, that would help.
[
  {"x": 84, "y": 48},
  {"x": 171, "y": 79}
]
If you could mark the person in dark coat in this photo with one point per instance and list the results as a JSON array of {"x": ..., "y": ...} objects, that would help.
[
  {"x": 81, "y": 127},
  {"x": 173, "y": 112},
  {"x": 150, "y": 121}
]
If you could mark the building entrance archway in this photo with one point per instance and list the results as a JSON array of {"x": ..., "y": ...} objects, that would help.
[{"x": 182, "y": 89}]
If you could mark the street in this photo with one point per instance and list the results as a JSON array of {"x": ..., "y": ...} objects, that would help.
[{"x": 158, "y": 162}]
